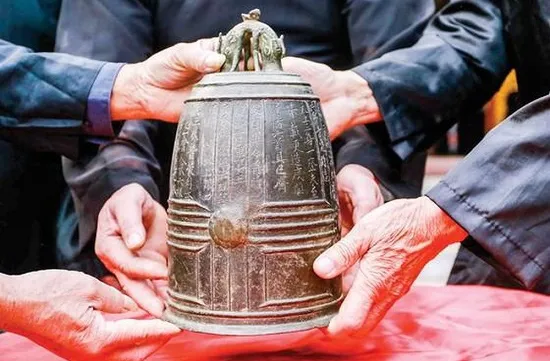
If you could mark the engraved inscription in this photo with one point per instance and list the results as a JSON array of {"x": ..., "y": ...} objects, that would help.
[
  {"x": 256, "y": 151},
  {"x": 223, "y": 153},
  {"x": 298, "y": 178},
  {"x": 239, "y": 149},
  {"x": 207, "y": 160},
  {"x": 312, "y": 169},
  {"x": 280, "y": 161},
  {"x": 323, "y": 146}
]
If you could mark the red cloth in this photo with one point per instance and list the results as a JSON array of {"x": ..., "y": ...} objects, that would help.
[{"x": 430, "y": 323}]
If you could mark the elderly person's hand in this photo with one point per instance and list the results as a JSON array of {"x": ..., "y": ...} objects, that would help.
[
  {"x": 346, "y": 99},
  {"x": 392, "y": 244},
  {"x": 62, "y": 311},
  {"x": 157, "y": 87},
  {"x": 131, "y": 242},
  {"x": 358, "y": 194}
]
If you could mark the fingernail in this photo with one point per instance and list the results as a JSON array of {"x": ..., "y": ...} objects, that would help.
[
  {"x": 134, "y": 241},
  {"x": 214, "y": 61},
  {"x": 324, "y": 266},
  {"x": 157, "y": 309}
]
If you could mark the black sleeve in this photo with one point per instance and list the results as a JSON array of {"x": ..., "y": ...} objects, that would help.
[
  {"x": 43, "y": 98},
  {"x": 371, "y": 36},
  {"x": 501, "y": 191},
  {"x": 117, "y": 31},
  {"x": 454, "y": 68}
]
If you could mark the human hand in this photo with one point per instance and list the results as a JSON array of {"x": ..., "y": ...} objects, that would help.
[
  {"x": 157, "y": 87},
  {"x": 358, "y": 194},
  {"x": 131, "y": 242},
  {"x": 346, "y": 99},
  {"x": 62, "y": 311},
  {"x": 392, "y": 244}
]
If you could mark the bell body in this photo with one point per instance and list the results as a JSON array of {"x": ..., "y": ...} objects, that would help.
[{"x": 252, "y": 204}]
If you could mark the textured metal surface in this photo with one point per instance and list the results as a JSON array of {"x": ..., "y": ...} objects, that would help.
[{"x": 252, "y": 204}]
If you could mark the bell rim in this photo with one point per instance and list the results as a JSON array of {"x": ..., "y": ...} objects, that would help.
[{"x": 282, "y": 327}]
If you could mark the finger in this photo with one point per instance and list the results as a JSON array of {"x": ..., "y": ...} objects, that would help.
[
  {"x": 108, "y": 299},
  {"x": 140, "y": 332},
  {"x": 307, "y": 69},
  {"x": 343, "y": 254},
  {"x": 346, "y": 210},
  {"x": 144, "y": 293},
  {"x": 377, "y": 312},
  {"x": 161, "y": 289},
  {"x": 348, "y": 277},
  {"x": 131, "y": 206},
  {"x": 365, "y": 197},
  {"x": 208, "y": 43},
  {"x": 117, "y": 257},
  {"x": 191, "y": 56},
  {"x": 356, "y": 306}
]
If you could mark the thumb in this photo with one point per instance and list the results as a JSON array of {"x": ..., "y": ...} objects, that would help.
[
  {"x": 193, "y": 56},
  {"x": 142, "y": 331},
  {"x": 342, "y": 255},
  {"x": 308, "y": 70}
]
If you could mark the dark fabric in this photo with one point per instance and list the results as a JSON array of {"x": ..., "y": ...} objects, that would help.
[
  {"x": 33, "y": 91},
  {"x": 469, "y": 268},
  {"x": 456, "y": 66},
  {"x": 27, "y": 236},
  {"x": 463, "y": 56},
  {"x": 31, "y": 187},
  {"x": 338, "y": 33},
  {"x": 43, "y": 98},
  {"x": 501, "y": 191},
  {"x": 449, "y": 74},
  {"x": 30, "y": 23}
]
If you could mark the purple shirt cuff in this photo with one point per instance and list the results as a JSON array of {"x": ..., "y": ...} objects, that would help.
[{"x": 99, "y": 102}]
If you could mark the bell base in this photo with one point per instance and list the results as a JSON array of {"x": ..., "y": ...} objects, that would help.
[{"x": 247, "y": 327}]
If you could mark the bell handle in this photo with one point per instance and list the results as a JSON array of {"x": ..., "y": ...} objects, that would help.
[{"x": 251, "y": 40}]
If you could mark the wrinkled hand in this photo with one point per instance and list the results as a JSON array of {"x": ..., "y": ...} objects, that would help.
[
  {"x": 358, "y": 194},
  {"x": 131, "y": 242},
  {"x": 61, "y": 311},
  {"x": 157, "y": 87},
  {"x": 346, "y": 99},
  {"x": 392, "y": 244}
]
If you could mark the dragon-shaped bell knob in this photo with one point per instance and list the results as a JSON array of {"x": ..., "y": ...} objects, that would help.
[{"x": 252, "y": 39}]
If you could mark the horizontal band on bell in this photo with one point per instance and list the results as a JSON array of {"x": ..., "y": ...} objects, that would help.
[
  {"x": 258, "y": 314},
  {"x": 252, "y": 96},
  {"x": 196, "y": 225},
  {"x": 292, "y": 225},
  {"x": 293, "y": 238},
  {"x": 188, "y": 236}
]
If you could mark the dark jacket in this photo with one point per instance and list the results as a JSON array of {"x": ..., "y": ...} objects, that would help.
[
  {"x": 42, "y": 108},
  {"x": 43, "y": 98},
  {"x": 339, "y": 33},
  {"x": 501, "y": 193}
]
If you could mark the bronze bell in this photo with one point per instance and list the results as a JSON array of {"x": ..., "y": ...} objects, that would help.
[{"x": 252, "y": 197}]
